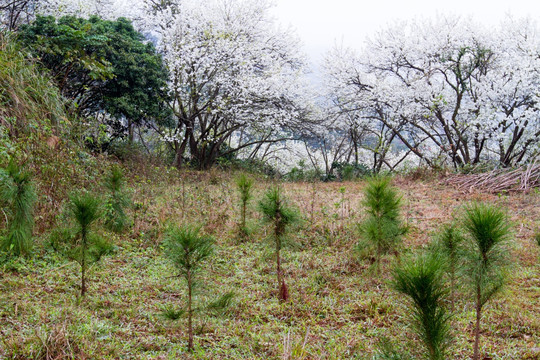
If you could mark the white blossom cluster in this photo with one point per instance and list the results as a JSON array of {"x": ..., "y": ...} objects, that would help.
[{"x": 449, "y": 85}]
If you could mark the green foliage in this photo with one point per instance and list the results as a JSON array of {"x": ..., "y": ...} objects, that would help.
[
  {"x": 28, "y": 98},
  {"x": 221, "y": 304},
  {"x": 276, "y": 211},
  {"x": 421, "y": 281},
  {"x": 115, "y": 215},
  {"x": 244, "y": 184},
  {"x": 101, "y": 65},
  {"x": 381, "y": 231},
  {"x": 188, "y": 250},
  {"x": 487, "y": 230},
  {"x": 171, "y": 313},
  {"x": 75, "y": 240},
  {"x": 349, "y": 172},
  {"x": 537, "y": 237},
  {"x": 386, "y": 351},
  {"x": 17, "y": 197}
]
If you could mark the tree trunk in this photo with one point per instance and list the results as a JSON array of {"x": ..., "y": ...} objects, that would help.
[
  {"x": 244, "y": 205},
  {"x": 190, "y": 316},
  {"x": 83, "y": 263},
  {"x": 476, "y": 355}
]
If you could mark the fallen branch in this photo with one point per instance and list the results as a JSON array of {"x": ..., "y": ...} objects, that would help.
[{"x": 521, "y": 179}]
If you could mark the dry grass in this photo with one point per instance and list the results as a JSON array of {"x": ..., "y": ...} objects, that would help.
[{"x": 339, "y": 308}]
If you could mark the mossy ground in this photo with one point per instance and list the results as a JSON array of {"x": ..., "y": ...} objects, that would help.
[{"x": 340, "y": 307}]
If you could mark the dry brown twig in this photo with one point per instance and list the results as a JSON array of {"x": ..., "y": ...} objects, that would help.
[{"x": 521, "y": 179}]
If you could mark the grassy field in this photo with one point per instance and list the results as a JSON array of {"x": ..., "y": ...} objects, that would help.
[{"x": 339, "y": 306}]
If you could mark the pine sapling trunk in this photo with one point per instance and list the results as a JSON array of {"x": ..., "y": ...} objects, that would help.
[
  {"x": 313, "y": 193},
  {"x": 476, "y": 354},
  {"x": 83, "y": 261},
  {"x": 183, "y": 197},
  {"x": 278, "y": 263},
  {"x": 190, "y": 314},
  {"x": 244, "y": 206},
  {"x": 282, "y": 287},
  {"x": 379, "y": 246},
  {"x": 452, "y": 284}
]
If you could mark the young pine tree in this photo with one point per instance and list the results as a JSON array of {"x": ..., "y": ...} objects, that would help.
[
  {"x": 382, "y": 230},
  {"x": 244, "y": 184},
  {"x": 115, "y": 216},
  {"x": 450, "y": 247},
  {"x": 188, "y": 250},
  {"x": 78, "y": 242},
  {"x": 18, "y": 196},
  {"x": 487, "y": 231},
  {"x": 280, "y": 216},
  {"x": 422, "y": 282}
]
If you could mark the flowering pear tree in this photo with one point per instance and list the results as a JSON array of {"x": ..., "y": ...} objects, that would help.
[
  {"x": 447, "y": 90},
  {"x": 234, "y": 76}
]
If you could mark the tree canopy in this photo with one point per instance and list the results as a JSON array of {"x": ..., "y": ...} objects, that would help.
[{"x": 102, "y": 66}]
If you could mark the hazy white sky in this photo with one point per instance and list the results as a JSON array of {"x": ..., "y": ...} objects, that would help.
[{"x": 323, "y": 23}]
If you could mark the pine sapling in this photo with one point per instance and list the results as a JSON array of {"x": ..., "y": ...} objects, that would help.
[
  {"x": 77, "y": 241},
  {"x": 422, "y": 282},
  {"x": 487, "y": 231},
  {"x": 245, "y": 185},
  {"x": 188, "y": 251},
  {"x": 450, "y": 247},
  {"x": 382, "y": 230},
  {"x": 17, "y": 196},
  {"x": 115, "y": 215},
  {"x": 277, "y": 212}
]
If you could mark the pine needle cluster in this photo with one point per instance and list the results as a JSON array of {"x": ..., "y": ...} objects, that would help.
[
  {"x": 382, "y": 230},
  {"x": 422, "y": 282},
  {"x": 245, "y": 185},
  {"x": 115, "y": 216},
  {"x": 17, "y": 197},
  {"x": 450, "y": 247}
]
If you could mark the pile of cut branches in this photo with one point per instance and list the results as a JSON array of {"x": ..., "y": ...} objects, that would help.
[{"x": 521, "y": 179}]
